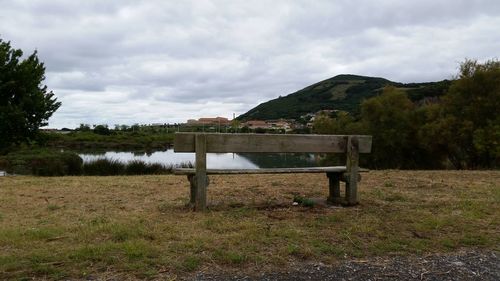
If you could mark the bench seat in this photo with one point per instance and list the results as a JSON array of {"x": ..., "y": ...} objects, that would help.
[{"x": 306, "y": 170}]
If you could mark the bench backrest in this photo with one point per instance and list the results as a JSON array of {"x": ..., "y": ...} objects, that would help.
[{"x": 224, "y": 143}]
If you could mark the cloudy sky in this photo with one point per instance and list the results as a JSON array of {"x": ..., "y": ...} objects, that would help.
[{"x": 125, "y": 62}]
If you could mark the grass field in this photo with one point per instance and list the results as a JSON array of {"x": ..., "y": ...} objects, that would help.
[{"x": 139, "y": 227}]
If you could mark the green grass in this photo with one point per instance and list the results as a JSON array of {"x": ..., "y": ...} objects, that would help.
[{"x": 138, "y": 226}]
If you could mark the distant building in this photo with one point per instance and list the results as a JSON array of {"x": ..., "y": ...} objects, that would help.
[
  {"x": 269, "y": 124},
  {"x": 254, "y": 124},
  {"x": 219, "y": 121},
  {"x": 158, "y": 124},
  {"x": 326, "y": 111},
  {"x": 280, "y": 124}
]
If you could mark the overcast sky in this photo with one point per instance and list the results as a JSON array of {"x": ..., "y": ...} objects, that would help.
[{"x": 125, "y": 62}]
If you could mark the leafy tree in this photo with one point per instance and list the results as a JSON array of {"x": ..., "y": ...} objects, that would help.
[
  {"x": 341, "y": 122},
  {"x": 388, "y": 119},
  {"x": 102, "y": 130},
  {"x": 124, "y": 128},
  {"x": 84, "y": 128},
  {"x": 235, "y": 124},
  {"x": 25, "y": 104},
  {"x": 135, "y": 128},
  {"x": 467, "y": 125},
  {"x": 430, "y": 152},
  {"x": 324, "y": 124}
]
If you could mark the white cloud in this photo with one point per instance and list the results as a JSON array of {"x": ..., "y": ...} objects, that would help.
[{"x": 167, "y": 61}]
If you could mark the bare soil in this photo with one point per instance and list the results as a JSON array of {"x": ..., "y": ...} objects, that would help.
[{"x": 465, "y": 265}]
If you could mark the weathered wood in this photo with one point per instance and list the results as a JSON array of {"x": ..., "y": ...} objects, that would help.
[
  {"x": 202, "y": 143},
  {"x": 240, "y": 143},
  {"x": 352, "y": 170},
  {"x": 201, "y": 173},
  {"x": 333, "y": 169},
  {"x": 334, "y": 187},
  {"x": 192, "y": 188}
]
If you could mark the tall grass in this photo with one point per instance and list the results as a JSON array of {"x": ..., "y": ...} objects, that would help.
[
  {"x": 113, "y": 167},
  {"x": 104, "y": 167},
  {"x": 42, "y": 162}
]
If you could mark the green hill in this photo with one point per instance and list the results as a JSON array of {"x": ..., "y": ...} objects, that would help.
[{"x": 342, "y": 92}]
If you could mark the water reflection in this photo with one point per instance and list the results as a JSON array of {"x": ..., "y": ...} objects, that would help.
[{"x": 214, "y": 160}]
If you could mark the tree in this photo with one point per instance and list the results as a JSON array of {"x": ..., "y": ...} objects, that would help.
[
  {"x": 467, "y": 126},
  {"x": 388, "y": 119},
  {"x": 235, "y": 125},
  {"x": 102, "y": 130},
  {"x": 25, "y": 104},
  {"x": 324, "y": 124},
  {"x": 340, "y": 123},
  {"x": 84, "y": 128}
]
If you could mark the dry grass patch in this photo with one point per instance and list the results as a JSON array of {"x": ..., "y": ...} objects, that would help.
[{"x": 139, "y": 227}]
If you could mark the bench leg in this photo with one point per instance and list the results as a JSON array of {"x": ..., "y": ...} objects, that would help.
[
  {"x": 334, "y": 188},
  {"x": 192, "y": 190},
  {"x": 201, "y": 173},
  {"x": 351, "y": 194}
]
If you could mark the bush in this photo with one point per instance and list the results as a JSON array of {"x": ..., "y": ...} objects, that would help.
[
  {"x": 138, "y": 167},
  {"x": 303, "y": 201},
  {"x": 102, "y": 130},
  {"x": 104, "y": 167},
  {"x": 42, "y": 163},
  {"x": 111, "y": 167}
]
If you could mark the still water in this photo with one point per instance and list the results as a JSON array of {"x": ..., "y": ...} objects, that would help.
[{"x": 214, "y": 160}]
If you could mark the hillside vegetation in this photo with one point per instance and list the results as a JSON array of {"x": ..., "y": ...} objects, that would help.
[
  {"x": 460, "y": 129},
  {"x": 342, "y": 92}
]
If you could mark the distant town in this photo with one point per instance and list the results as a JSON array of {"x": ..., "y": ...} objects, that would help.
[{"x": 223, "y": 124}]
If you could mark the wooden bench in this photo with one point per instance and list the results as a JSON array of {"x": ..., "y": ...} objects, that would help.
[{"x": 203, "y": 143}]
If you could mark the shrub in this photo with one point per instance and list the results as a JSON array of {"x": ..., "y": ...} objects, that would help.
[
  {"x": 187, "y": 164},
  {"x": 111, "y": 167},
  {"x": 104, "y": 167},
  {"x": 42, "y": 162},
  {"x": 303, "y": 201},
  {"x": 157, "y": 168},
  {"x": 102, "y": 130},
  {"x": 138, "y": 167}
]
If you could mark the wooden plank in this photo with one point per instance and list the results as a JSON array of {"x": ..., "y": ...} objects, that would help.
[
  {"x": 333, "y": 169},
  {"x": 334, "y": 188},
  {"x": 201, "y": 173},
  {"x": 271, "y": 143},
  {"x": 192, "y": 190},
  {"x": 352, "y": 171}
]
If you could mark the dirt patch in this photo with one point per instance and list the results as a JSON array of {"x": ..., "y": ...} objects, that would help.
[{"x": 468, "y": 265}]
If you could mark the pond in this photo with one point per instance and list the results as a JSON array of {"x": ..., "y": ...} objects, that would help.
[{"x": 214, "y": 160}]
